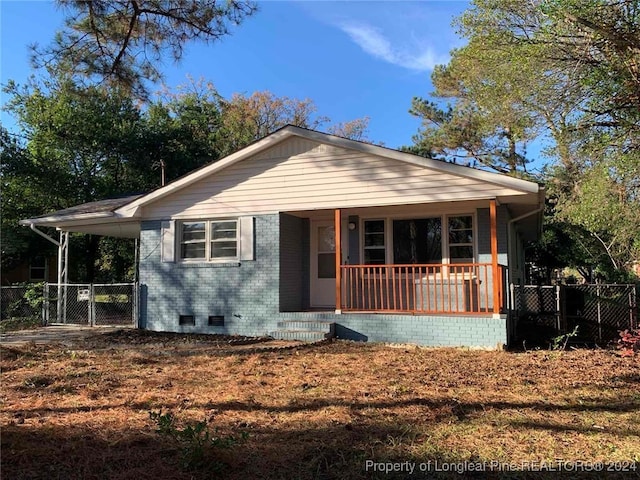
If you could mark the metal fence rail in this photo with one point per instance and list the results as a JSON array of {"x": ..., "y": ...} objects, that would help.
[{"x": 598, "y": 311}]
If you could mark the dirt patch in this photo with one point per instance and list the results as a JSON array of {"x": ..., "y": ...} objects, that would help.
[{"x": 319, "y": 411}]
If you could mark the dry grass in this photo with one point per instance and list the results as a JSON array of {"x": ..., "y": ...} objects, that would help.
[{"x": 310, "y": 412}]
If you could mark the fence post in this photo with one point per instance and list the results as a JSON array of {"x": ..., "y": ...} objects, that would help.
[
  {"x": 632, "y": 306},
  {"x": 136, "y": 302},
  {"x": 599, "y": 313},
  {"x": 45, "y": 303},
  {"x": 558, "y": 310},
  {"x": 91, "y": 305}
]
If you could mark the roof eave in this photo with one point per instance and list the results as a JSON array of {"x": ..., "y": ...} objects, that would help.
[{"x": 54, "y": 221}]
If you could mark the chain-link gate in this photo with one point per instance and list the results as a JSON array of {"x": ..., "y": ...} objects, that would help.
[
  {"x": 598, "y": 311},
  {"x": 113, "y": 304}
]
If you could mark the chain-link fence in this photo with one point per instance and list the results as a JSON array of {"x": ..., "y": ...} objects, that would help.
[
  {"x": 598, "y": 311},
  {"x": 19, "y": 302},
  {"x": 92, "y": 304},
  {"x": 114, "y": 304}
]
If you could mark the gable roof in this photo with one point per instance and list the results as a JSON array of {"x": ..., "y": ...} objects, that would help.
[
  {"x": 370, "y": 164},
  {"x": 500, "y": 180}
]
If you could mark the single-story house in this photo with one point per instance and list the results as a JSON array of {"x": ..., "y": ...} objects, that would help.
[{"x": 303, "y": 234}]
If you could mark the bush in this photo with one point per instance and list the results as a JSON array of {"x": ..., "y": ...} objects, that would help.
[
  {"x": 195, "y": 440},
  {"x": 20, "y": 323},
  {"x": 629, "y": 343}
]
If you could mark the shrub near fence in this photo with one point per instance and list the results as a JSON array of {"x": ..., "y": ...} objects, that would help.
[{"x": 21, "y": 305}]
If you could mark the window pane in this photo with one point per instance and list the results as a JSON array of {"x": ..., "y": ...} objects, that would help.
[
  {"x": 461, "y": 254},
  {"x": 326, "y": 239},
  {"x": 326, "y": 265},
  {"x": 461, "y": 236},
  {"x": 374, "y": 256},
  {"x": 374, "y": 226},
  {"x": 462, "y": 222},
  {"x": 223, "y": 249},
  {"x": 374, "y": 240},
  {"x": 223, "y": 230},
  {"x": 417, "y": 241},
  {"x": 38, "y": 262},
  {"x": 193, "y": 250},
  {"x": 193, "y": 231}
]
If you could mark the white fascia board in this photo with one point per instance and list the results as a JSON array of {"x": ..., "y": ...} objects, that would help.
[{"x": 55, "y": 221}]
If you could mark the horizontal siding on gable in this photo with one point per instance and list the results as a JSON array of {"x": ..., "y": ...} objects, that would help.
[
  {"x": 292, "y": 147},
  {"x": 316, "y": 178}
]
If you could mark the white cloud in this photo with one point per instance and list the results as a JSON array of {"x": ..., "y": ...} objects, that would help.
[{"x": 377, "y": 45}]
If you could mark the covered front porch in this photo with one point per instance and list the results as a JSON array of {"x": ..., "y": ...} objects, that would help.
[{"x": 426, "y": 259}]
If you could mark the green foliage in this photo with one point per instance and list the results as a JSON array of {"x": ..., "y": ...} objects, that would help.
[
  {"x": 560, "y": 342},
  {"x": 34, "y": 295},
  {"x": 565, "y": 72},
  {"x": 196, "y": 440},
  {"x": 82, "y": 144},
  {"x": 20, "y": 323},
  {"x": 122, "y": 42}
]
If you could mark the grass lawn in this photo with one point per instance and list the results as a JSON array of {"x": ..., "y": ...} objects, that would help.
[{"x": 324, "y": 411}]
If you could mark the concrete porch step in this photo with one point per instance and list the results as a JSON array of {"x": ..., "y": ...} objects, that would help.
[
  {"x": 315, "y": 325},
  {"x": 304, "y": 330}
]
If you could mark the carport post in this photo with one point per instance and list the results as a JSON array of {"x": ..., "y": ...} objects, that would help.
[
  {"x": 45, "y": 304},
  {"x": 63, "y": 276}
]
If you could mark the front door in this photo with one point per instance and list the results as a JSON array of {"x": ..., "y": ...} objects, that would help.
[{"x": 323, "y": 264}]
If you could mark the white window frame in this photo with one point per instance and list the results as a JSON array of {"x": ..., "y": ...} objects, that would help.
[
  {"x": 388, "y": 229},
  {"x": 471, "y": 244},
  {"x": 385, "y": 234},
  {"x": 208, "y": 240}
]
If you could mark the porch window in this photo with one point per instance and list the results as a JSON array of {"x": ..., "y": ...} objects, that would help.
[
  {"x": 417, "y": 241},
  {"x": 374, "y": 242},
  {"x": 461, "y": 239},
  {"x": 209, "y": 241}
]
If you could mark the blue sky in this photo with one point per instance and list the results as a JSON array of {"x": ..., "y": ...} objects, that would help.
[{"x": 353, "y": 59}]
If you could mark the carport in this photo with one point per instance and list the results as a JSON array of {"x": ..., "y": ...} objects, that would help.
[{"x": 93, "y": 218}]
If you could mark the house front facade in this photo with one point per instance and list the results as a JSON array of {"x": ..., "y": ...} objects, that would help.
[{"x": 303, "y": 230}]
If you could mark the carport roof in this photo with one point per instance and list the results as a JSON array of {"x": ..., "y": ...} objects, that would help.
[
  {"x": 97, "y": 218},
  {"x": 107, "y": 205}
]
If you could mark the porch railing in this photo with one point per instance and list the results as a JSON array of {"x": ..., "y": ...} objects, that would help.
[{"x": 461, "y": 288}]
